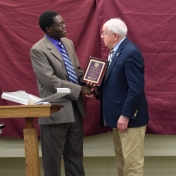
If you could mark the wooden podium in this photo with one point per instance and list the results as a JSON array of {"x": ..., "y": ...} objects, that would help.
[{"x": 30, "y": 133}]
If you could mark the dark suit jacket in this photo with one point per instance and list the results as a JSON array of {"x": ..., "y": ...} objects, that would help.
[
  {"x": 122, "y": 92},
  {"x": 50, "y": 73}
]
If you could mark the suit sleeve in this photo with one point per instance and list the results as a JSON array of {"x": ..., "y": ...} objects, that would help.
[
  {"x": 46, "y": 76},
  {"x": 134, "y": 71}
]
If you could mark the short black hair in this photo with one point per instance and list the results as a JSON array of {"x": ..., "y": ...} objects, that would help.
[{"x": 46, "y": 19}]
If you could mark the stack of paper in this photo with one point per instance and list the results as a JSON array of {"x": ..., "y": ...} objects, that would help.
[
  {"x": 27, "y": 99},
  {"x": 53, "y": 98},
  {"x": 1, "y": 126}
]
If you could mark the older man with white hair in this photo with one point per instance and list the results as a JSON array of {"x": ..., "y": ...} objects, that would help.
[
  {"x": 122, "y": 98},
  {"x": 123, "y": 101}
]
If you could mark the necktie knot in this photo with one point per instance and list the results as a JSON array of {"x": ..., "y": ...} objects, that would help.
[{"x": 60, "y": 44}]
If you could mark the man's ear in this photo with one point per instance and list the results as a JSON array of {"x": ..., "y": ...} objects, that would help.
[
  {"x": 48, "y": 29},
  {"x": 116, "y": 35}
]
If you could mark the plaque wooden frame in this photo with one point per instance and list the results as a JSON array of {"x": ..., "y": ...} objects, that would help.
[{"x": 95, "y": 71}]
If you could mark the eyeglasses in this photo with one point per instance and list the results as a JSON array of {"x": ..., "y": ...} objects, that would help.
[
  {"x": 61, "y": 24},
  {"x": 105, "y": 33}
]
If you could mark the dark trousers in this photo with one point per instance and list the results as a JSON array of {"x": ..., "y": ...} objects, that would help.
[{"x": 63, "y": 140}]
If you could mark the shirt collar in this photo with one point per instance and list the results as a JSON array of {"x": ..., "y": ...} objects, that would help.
[
  {"x": 55, "y": 42},
  {"x": 118, "y": 44}
]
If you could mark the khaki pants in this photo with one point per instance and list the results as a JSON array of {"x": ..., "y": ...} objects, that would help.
[{"x": 129, "y": 151}]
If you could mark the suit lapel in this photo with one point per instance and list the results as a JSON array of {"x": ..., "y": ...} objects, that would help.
[
  {"x": 55, "y": 52},
  {"x": 67, "y": 48},
  {"x": 52, "y": 48},
  {"x": 65, "y": 43},
  {"x": 116, "y": 56}
]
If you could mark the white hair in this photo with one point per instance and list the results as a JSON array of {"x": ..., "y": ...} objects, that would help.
[{"x": 116, "y": 25}]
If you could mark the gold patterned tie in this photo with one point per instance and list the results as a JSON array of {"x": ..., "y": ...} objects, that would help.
[{"x": 110, "y": 56}]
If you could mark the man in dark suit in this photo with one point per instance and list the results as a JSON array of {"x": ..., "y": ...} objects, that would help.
[
  {"x": 56, "y": 66},
  {"x": 122, "y": 98}
]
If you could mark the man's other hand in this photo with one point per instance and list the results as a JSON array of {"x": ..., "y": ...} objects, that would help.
[{"x": 85, "y": 90}]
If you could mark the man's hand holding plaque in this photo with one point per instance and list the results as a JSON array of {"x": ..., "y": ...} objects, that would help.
[
  {"x": 93, "y": 89},
  {"x": 95, "y": 71}
]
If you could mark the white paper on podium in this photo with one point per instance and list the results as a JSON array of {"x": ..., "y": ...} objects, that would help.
[
  {"x": 1, "y": 126},
  {"x": 20, "y": 97},
  {"x": 54, "y": 98},
  {"x": 28, "y": 99}
]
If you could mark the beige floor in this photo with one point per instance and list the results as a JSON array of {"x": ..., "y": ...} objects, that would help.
[
  {"x": 160, "y": 156},
  {"x": 96, "y": 166}
]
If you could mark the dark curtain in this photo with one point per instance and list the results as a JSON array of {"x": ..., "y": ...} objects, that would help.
[{"x": 151, "y": 27}]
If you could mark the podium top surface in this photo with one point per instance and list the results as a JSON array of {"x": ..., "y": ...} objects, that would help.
[{"x": 21, "y": 111}]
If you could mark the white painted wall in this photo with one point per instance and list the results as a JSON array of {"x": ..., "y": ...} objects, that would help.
[{"x": 160, "y": 156}]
